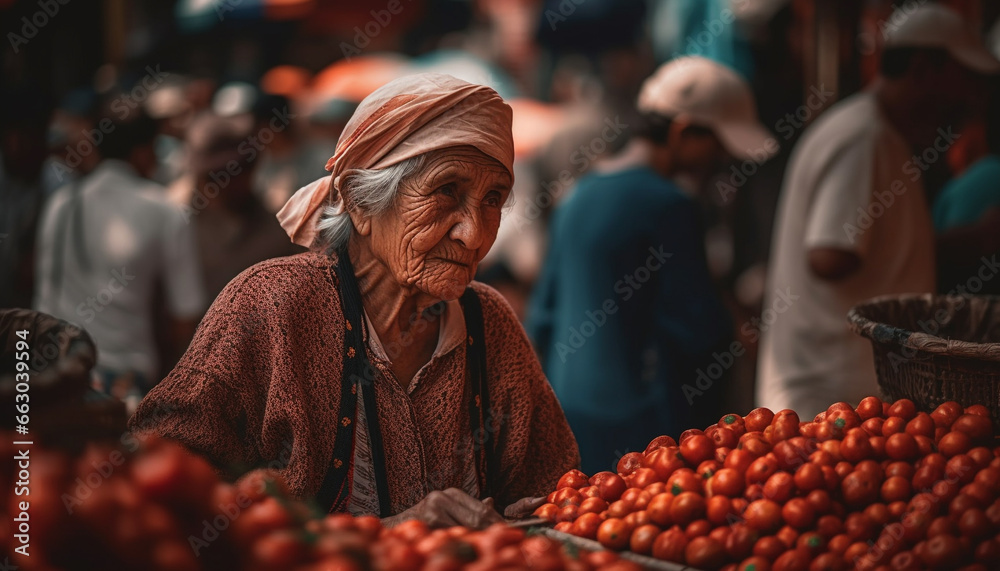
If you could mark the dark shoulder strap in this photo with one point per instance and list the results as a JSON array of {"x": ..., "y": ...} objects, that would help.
[{"x": 479, "y": 405}]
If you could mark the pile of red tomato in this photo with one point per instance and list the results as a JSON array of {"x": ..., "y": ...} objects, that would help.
[
  {"x": 877, "y": 487},
  {"x": 161, "y": 508}
]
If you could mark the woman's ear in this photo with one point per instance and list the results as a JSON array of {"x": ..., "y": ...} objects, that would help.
[{"x": 362, "y": 222}]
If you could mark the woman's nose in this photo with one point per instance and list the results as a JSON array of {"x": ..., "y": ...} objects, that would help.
[{"x": 468, "y": 231}]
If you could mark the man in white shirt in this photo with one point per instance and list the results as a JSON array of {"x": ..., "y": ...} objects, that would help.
[
  {"x": 106, "y": 245},
  {"x": 853, "y": 222}
]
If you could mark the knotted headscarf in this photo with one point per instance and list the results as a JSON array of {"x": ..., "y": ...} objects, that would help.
[{"x": 403, "y": 119}]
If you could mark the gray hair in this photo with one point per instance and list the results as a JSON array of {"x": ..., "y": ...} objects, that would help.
[{"x": 371, "y": 191}]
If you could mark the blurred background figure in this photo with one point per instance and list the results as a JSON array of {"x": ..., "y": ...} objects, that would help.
[
  {"x": 853, "y": 222},
  {"x": 106, "y": 243},
  {"x": 233, "y": 230},
  {"x": 625, "y": 312}
]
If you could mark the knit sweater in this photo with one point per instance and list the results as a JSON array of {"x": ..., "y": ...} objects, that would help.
[{"x": 260, "y": 386}]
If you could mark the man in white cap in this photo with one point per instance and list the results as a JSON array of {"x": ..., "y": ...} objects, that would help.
[
  {"x": 625, "y": 313},
  {"x": 853, "y": 221}
]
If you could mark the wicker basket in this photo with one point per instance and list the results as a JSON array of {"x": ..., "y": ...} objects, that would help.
[{"x": 932, "y": 349}]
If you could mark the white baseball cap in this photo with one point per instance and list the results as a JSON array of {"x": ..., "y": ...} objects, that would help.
[
  {"x": 936, "y": 26},
  {"x": 710, "y": 94}
]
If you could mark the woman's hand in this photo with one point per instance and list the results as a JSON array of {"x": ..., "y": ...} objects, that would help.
[
  {"x": 449, "y": 508},
  {"x": 523, "y": 508}
]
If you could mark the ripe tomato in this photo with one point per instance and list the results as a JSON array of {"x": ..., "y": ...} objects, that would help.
[
  {"x": 665, "y": 461},
  {"x": 636, "y": 518},
  {"x": 643, "y": 477},
  {"x": 869, "y": 407},
  {"x": 769, "y": 547},
  {"x": 873, "y": 426},
  {"x": 572, "y": 479},
  {"x": 705, "y": 553},
  {"x": 820, "y": 500},
  {"x": 593, "y": 505},
  {"x": 927, "y": 476},
  {"x": 758, "y": 419},
  {"x": 979, "y": 428},
  {"x": 754, "y": 443},
  {"x": 698, "y": 528},
  {"x": 718, "y": 509},
  {"x": 855, "y": 447},
  {"x": 798, "y": 513},
  {"x": 727, "y": 482},
  {"x": 878, "y": 513},
  {"x": 763, "y": 515},
  {"x": 839, "y": 543},
  {"x": 903, "y": 408},
  {"x": 946, "y": 414},
  {"x": 895, "y": 489},
  {"x": 613, "y": 534},
  {"x": 637, "y": 498},
  {"x": 547, "y": 511},
  {"x": 942, "y": 551},
  {"x": 610, "y": 486},
  {"x": 829, "y": 525},
  {"x": 568, "y": 513},
  {"x": 982, "y": 456},
  {"x": 974, "y": 523},
  {"x": 942, "y": 525},
  {"x": 904, "y": 469},
  {"x": 915, "y": 526},
  {"x": 670, "y": 545},
  {"x": 723, "y": 437},
  {"x": 988, "y": 552},
  {"x": 843, "y": 418},
  {"x": 685, "y": 480},
  {"x": 755, "y": 563},
  {"x": 586, "y": 525},
  {"x": 921, "y": 424},
  {"x": 658, "y": 509},
  {"x": 565, "y": 497},
  {"x": 707, "y": 468},
  {"x": 893, "y": 425},
  {"x": 792, "y": 560},
  {"x": 786, "y": 425},
  {"x": 859, "y": 527},
  {"x": 954, "y": 443},
  {"x": 901, "y": 446},
  {"x": 687, "y": 507},
  {"x": 779, "y": 487},
  {"x": 656, "y": 488},
  {"x": 696, "y": 449},
  {"x": 978, "y": 409},
  {"x": 859, "y": 488},
  {"x": 659, "y": 442},
  {"x": 629, "y": 463},
  {"x": 619, "y": 509},
  {"x": 642, "y": 539},
  {"x": 809, "y": 477},
  {"x": 589, "y": 492},
  {"x": 761, "y": 469},
  {"x": 961, "y": 469}
]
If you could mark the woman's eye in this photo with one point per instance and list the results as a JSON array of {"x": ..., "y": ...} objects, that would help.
[
  {"x": 449, "y": 189},
  {"x": 493, "y": 199}
]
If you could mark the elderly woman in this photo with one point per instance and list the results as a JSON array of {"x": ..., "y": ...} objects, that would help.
[{"x": 372, "y": 371}]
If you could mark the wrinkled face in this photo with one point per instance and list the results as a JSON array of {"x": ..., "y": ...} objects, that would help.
[{"x": 443, "y": 222}]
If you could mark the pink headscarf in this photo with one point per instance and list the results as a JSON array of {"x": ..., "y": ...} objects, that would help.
[{"x": 401, "y": 120}]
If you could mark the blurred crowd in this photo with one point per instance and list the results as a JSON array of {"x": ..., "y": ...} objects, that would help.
[{"x": 135, "y": 187}]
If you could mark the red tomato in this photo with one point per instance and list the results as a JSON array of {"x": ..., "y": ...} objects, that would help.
[
  {"x": 619, "y": 509},
  {"x": 739, "y": 544},
  {"x": 769, "y": 547},
  {"x": 613, "y": 534},
  {"x": 961, "y": 469},
  {"x": 927, "y": 476},
  {"x": 642, "y": 539},
  {"x": 593, "y": 505},
  {"x": 758, "y": 419},
  {"x": 589, "y": 492},
  {"x": 755, "y": 563},
  {"x": 856, "y": 447},
  {"x": 658, "y": 509},
  {"x": 565, "y": 497},
  {"x": 820, "y": 500},
  {"x": 946, "y": 414},
  {"x": 718, "y": 509},
  {"x": 727, "y": 482},
  {"x": 761, "y": 469},
  {"x": 878, "y": 513},
  {"x": 763, "y": 515},
  {"x": 705, "y": 553},
  {"x": 687, "y": 507},
  {"x": 723, "y": 437},
  {"x": 637, "y": 498},
  {"x": 707, "y": 468},
  {"x": 839, "y": 543},
  {"x": 901, "y": 446},
  {"x": 779, "y": 487},
  {"x": 547, "y": 511},
  {"x": 754, "y": 443},
  {"x": 656, "y": 488},
  {"x": 893, "y": 425},
  {"x": 843, "y": 418},
  {"x": 629, "y": 463},
  {"x": 873, "y": 426},
  {"x": 568, "y": 513},
  {"x": 859, "y": 488},
  {"x": 685, "y": 480},
  {"x": 660, "y": 442},
  {"x": 903, "y": 408},
  {"x": 670, "y": 545},
  {"x": 798, "y": 513},
  {"x": 665, "y": 461},
  {"x": 979, "y": 428},
  {"x": 903, "y": 469},
  {"x": 974, "y": 523},
  {"x": 859, "y": 527},
  {"x": 792, "y": 560},
  {"x": 921, "y": 424},
  {"x": 809, "y": 477},
  {"x": 954, "y": 443},
  {"x": 786, "y": 425},
  {"x": 586, "y": 525},
  {"x": 696, "y": 449},
  {"x": 611, "y": 486},
  {"x": 829, "y": 525},
  {"x": 942, "y": 551},
  {"x": 869, "y": 407},
  {"x": 643, "y": 477},
  {"x": 698, "y": 528},
  {"x": 895, "y": 488},
  {"x": 572, "y": 479}
]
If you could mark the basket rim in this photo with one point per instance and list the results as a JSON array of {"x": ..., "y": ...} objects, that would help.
[{"x": 918, "y": 340}]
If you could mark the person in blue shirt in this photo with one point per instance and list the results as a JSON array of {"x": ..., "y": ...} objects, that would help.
[{"x": 625, "y": 316}]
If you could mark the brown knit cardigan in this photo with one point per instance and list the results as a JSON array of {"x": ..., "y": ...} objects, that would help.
[{"x": 260, "y": 386}]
